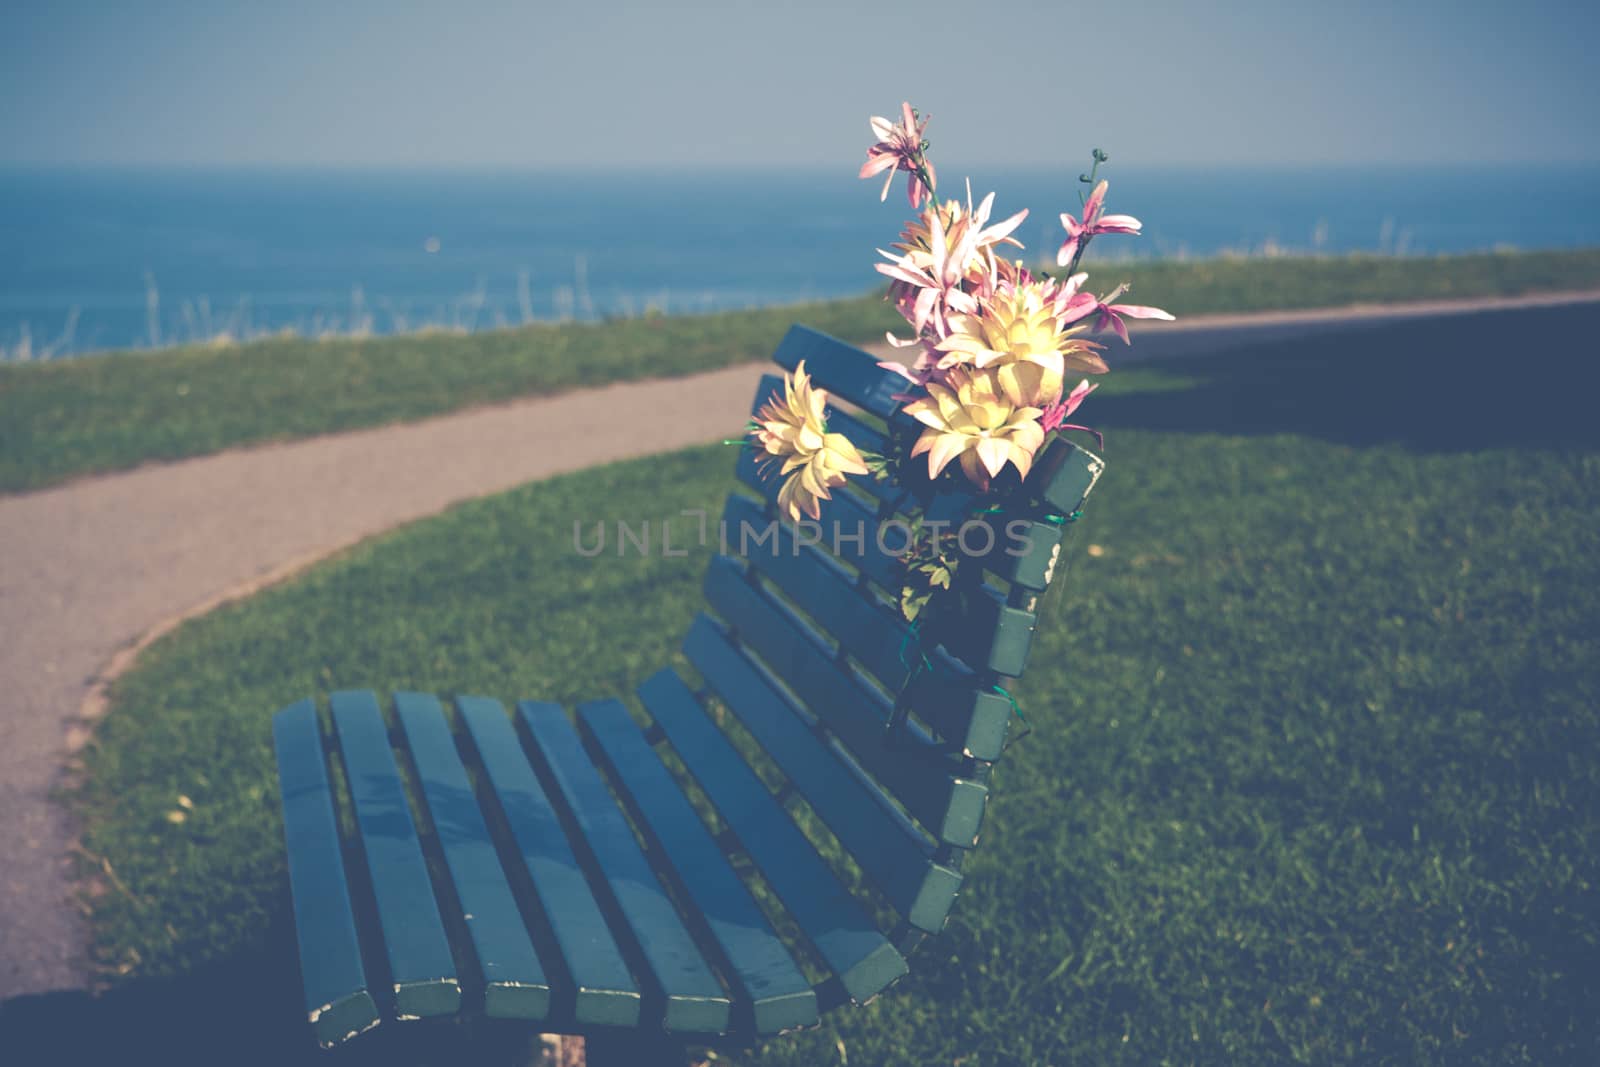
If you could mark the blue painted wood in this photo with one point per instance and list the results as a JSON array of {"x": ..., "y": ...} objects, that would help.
[
  {"x": 605, "y": 993},
  {"x": 845, "y": 527},
  {"x": 515, "y": 986},
  {"x": 842, "y": 369},
  {"x": 776, "y": 992},
  {"x": 950, "y": 698},
  {"x": 994, "y": 634},
  {"x": 695, "y": 1002},
  {"x": 899, "y": 863},
  {"x": 866, "y": 438},
  {"x": 831, "y": 919},
  {"x": 420, "y": 963},
  {"x": 338, "y": 1002},
  {"x": 862, "y": 621},
  {"x": 916, "y": 771},
  {"x": 1010, "y": 544},
  {"x": 1066, "y": 475}
]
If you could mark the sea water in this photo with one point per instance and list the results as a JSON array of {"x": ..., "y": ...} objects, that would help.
[{"x": 118, "y": 259}]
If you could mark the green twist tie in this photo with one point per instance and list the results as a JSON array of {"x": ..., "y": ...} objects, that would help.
[
  {"x": 750, "y": 426},
  {"x": 897, "y": 716},
  {"x": 1053, "y": 519},
  {"x": 913, "y": 632},
  {"x": 1015, "y": 707},
  {"x": 1017, "y": 711}
]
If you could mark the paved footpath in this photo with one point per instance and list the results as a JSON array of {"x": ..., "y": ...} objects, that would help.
[{"x": 91, "y": 572}]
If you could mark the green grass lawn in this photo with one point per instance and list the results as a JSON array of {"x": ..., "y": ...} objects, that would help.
[
  {"x": 73, "y": 417},
  {"x": 1314, "y": 774}
]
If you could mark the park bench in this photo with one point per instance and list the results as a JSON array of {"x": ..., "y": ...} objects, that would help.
[{"x": 456, "y": 858}]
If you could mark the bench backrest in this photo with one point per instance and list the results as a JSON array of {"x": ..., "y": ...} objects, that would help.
[{"x": 888, "y": 741}]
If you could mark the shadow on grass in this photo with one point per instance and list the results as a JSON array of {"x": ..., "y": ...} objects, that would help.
[
  {"x": 246, "y": 1011},
  {"x": 1526, "y": 378}
]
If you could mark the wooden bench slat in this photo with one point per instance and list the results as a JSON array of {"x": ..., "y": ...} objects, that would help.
[
  {"x": 845, "y": 528},
  {"x": 1066, "y": 474},
  {"x": 842, "y": 369},
  {"x": 976, "y": 721},
  {"x": 605, "y": 993},
  {"x": 830, "y": 917},
  {"x": 695, "y": 1001},
  {"x": 866, "y": 439},
  {"x": 338, "y": 1002},
  {"x": 515, "y": 986},
  {"x": 997, "y": 636},
  {"x": 875, "y": 636},
  {"x": 873, "y": 633},
  {"x": 898, "y": 862},
  {"x": 1020, "y": 549},
  {"x": 420, "y": 962},
  {"x": 780, "y": 998},
  {"x": 919, "y": 774},
  {"x": 1024, "y": 553}
]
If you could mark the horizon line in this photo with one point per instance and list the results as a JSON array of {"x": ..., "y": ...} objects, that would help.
[{"x": 809, "y": 168}]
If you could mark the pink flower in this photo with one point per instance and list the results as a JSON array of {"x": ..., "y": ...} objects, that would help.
[
  {"x": 924, "y": 369},
  {"x": 1109, "y": 314},
  {"x": 1069, "y": 304},
  {"x": 1094, "y": 221},
  {"x": 1057, "y": 412},
  {"x": 934, "y": 279},
  {"x": 948, "y": 265},
  {"x": 983, "y": 267},
  {"x": 1055, "y": 415},
  {"x": 959, "y": 221},
  {"x": 899, "y": 147}
]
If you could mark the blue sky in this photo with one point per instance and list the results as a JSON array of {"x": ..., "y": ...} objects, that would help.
[{"x": 624, "y": 83}]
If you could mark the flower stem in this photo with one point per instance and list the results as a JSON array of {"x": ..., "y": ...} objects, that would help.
[
  {"x": 1083, "y": 246},
  {"x": 1088, "y": 179}
]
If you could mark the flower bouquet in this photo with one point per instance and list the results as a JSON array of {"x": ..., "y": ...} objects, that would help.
[{"x": 993, "y": 343}]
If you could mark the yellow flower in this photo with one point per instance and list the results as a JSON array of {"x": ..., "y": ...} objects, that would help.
[
  {"x": 815, "y": 474},
  {"x": 972, "y": 419},
  {"x": 1019, "y": 333},
  {"x": 795, "y": 429}
]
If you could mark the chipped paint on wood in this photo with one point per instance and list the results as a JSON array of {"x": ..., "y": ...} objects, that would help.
[
  {"x": 361, "y": 1030},
  {"x": 1050, "y": 568},
  {"x": 336, "y": 1042}
]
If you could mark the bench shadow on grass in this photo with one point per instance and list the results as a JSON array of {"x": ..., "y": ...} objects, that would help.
[
  {"x": 246, "y": 1011},
  {"x": 1524, "y": 378}
]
